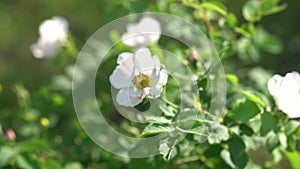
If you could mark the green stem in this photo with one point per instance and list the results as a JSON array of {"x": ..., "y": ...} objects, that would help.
[
  {"x": 189, "y": 131},
  {"x": 170, "y": 103}
]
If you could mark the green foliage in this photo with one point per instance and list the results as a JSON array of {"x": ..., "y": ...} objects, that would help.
[
  {"x": 237, "y": 152},
  {"x": 245, "y": 111}
]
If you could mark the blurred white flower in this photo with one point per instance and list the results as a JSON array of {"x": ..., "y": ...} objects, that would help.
[
  {"x": 146, "y": 32},
  {"x": 53, "y": 34},
  {"x": 138, "y": 75},
  {"x": 286, "y": 93}
]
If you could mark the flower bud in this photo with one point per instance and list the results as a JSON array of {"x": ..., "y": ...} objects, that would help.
[
  {"x": 10, "y": 134},
  {"x": 193, "y": 56}
]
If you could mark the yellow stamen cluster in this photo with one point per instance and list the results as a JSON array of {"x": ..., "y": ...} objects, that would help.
[{"x": 141, "y": 81}]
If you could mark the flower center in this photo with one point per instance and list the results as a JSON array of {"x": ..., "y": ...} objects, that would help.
[{"x": 141, "y": 81}]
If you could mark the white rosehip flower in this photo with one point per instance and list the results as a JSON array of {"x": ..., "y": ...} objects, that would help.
[
  {"x": 143, "y": 33},
  {"x": 286, "y": 93},
  {"x": 53, "y": 34},
  {"x": 138, "y": 75}
]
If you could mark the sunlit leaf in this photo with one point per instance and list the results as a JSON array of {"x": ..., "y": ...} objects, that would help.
[
  {"x": 73, "y": 165},
  {"x": 291, "y": 127},
  {"x": 23, "y": 163},
  {"x": 6, "y": 154},
  {"x": 214, "y": 6},
  {"x": 220, "y": 134},
  {"x": 155, "y": 128}
]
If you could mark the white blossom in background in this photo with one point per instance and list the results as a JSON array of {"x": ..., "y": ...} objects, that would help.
[
  {"x": 53, "y": 34},
  {"x": 138, "y": 75},
  {"x": 143, "y": 33},
  {"x": 286, "y": 93}
]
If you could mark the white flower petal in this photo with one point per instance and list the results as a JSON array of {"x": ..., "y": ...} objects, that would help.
[
  {"x": 145, "y": 92},
  {"x": 160, "y": 79},
  {"x": 54, "y": 30},
  {"x": 53, "y": 34},
  {"x": 151, "y": 28},
  {"x": 143, "y": 60},
  {"x": 133, "y": 67},
  {"x": 123, "y": 74},
  {"x": 290, "y": 104},
  {"x": 128, "y": 97},
  {"x": 43, "y": 49},
  {"x": 155, "y": 92},
  {"x": 291, "y": 82},
  {"x": 157, "y": 64},
  {"x": 130, "y": 39},
  {"x": 123, "y": 56},
  {"x": 143, "y": 33},
  {"x": 286, "y": 93},
  {"x": 163, "y": 77},
  {"x": 61, "y": 22},
  {"x": 274, "y": 84}
]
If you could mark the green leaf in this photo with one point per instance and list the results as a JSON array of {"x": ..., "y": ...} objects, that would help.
[
  {"x": 268, "y": 42},
  {"x": 246, "y": 130},
  {"x": 51, "y": 164},
  {"x": 57, "y": 99},
  {"x": 159, "y": 120},
  {"x": 253, "y": 10},
  {"x": 237, "y": 151},
  {"x": 251, "y": 96},
  {"x": 225, "y": 155},
  {"x": 247, "y": 50},
  {"x": 34, "y": 145},
  {"x": 168, "y": 110},
  {"x": 233, "y": 79},
  {"x": 248, "y": 30},
  {"x": 220, "y": 134},
  {"x": 214, "y": 6},
  {"x": 231, "y": 20},
  {"x": 291, "y": 143},
  {"x": 297, "y": 133},
  {"x": 291, "y": 127},
  {"x": 61, "y": 82},
  {"x": 245, "y": 111},
  {"x": 167, "y": 152},
  {"x": 260, "y": 77},
  {"x": 275, "y": 10},
  {"x": 294, "y": 158},
  {"x": 268, "y": 7},
  {"x": 272, "y": 142},
  {"x": 23, "y": 163},
  {"x": 226, "y": 50},
  {"x": 73, "y": 165},
  {"x": 155, "y": 128},
  {"x": 194, "y": 115},
  {"x": 252, "y": 165},
  {"x": 269, "y": 123},
  {"x": 167, "y": 148},
  {"x": 283, "y": 140},
  {"x": 6, "y": 154},
  {"x": 250, "y": 10},
  {"x": 254, "y": 142}
]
